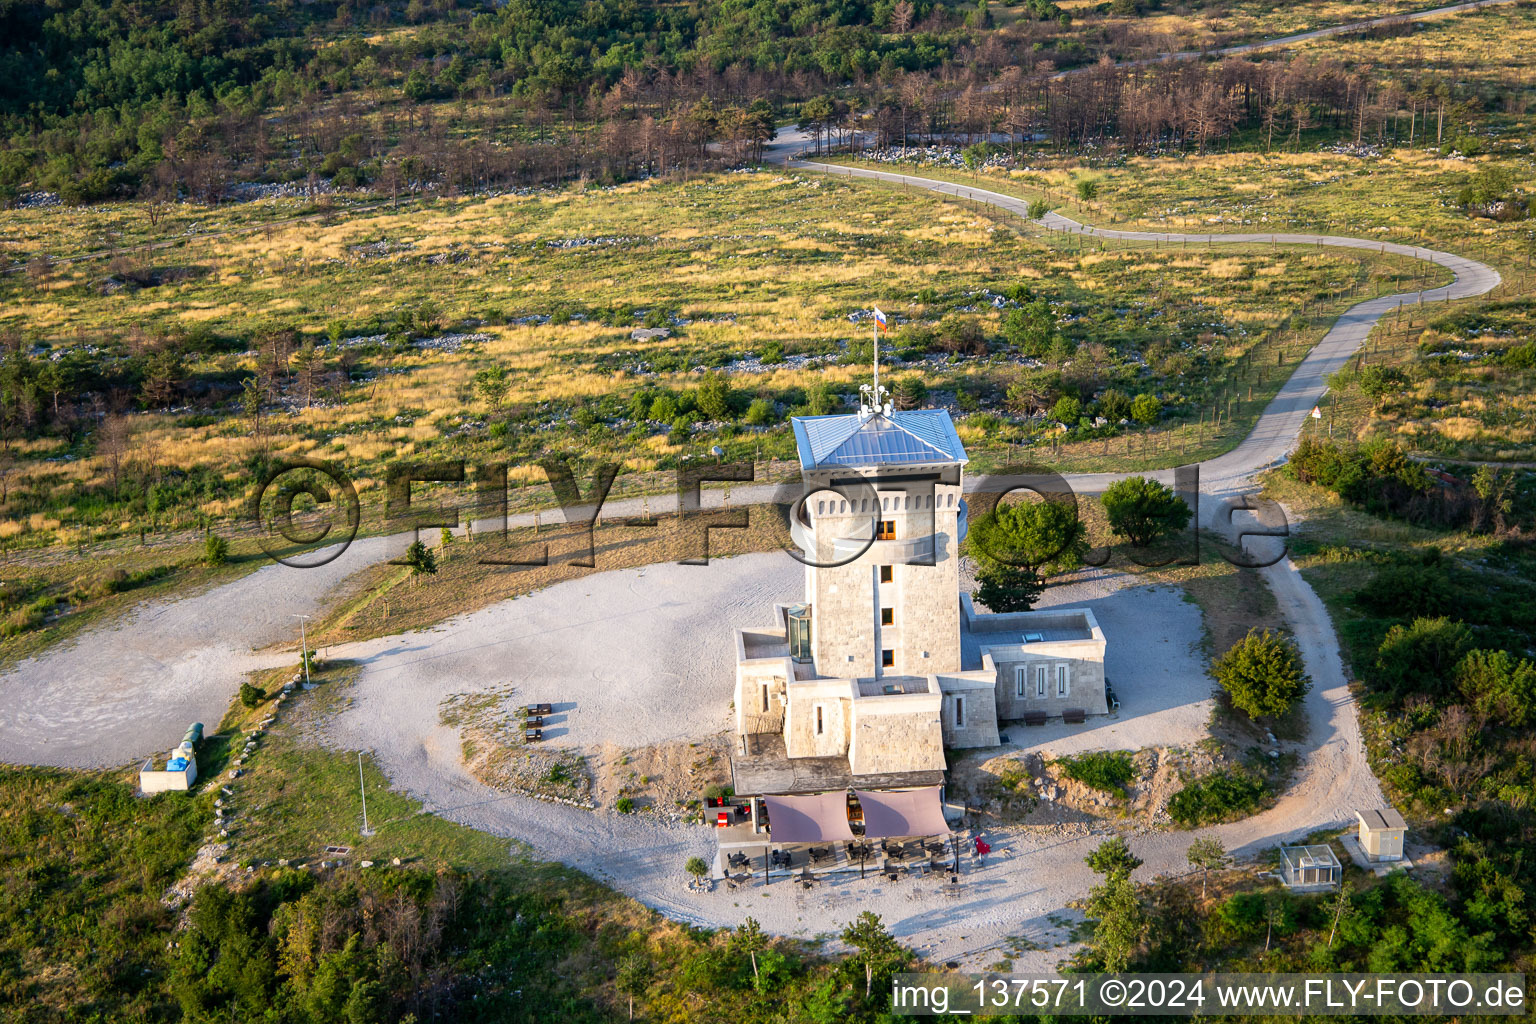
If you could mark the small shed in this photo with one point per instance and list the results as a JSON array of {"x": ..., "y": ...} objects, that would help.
[
  {"x": 1309, "y": 867},
  {"x": 1381, "y": 833}
]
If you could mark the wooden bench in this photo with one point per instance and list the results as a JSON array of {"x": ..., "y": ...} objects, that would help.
[
  {"x": 1074, "y": 716},
  {"x": 532, "y": 735},
  {"x": 1034, "y": 717},
  {"x": 540, "y": 709}
]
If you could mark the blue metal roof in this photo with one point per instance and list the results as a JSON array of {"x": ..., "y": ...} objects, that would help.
[{"x": 906, "y": 438}]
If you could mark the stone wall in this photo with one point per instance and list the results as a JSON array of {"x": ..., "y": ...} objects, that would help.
[
  {"x": 1083, "y": 660},
  {"x": 897, "y": 734},
  {"x": 833, "y": 697},
  {"x": 977, "y": 691}
]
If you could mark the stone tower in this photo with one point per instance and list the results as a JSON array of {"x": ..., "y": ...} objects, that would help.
[{"x": 881, "y": 525}]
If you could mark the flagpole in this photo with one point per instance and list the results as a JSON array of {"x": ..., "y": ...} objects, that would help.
[{"x": 876, "y": 324}]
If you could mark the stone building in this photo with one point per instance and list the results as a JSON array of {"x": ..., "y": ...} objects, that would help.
[{"x": 886, "y": 663}]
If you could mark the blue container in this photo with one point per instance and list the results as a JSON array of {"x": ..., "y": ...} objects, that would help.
[{"x": 176, "y": 764}]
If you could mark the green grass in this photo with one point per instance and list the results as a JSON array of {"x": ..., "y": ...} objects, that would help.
[{"x": 83, "y": 864}]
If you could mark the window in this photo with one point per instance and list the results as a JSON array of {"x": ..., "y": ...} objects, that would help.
[
  {"x": 818, "y": 720},
  {"x": 887, "y": 616},
  {"x": 887, "y": 658},
  {"x": 765, "y": 698},
  {"x": 1018, "y": 681},
  {"x": 959, "y": 712},
  {"x": 1061, "y": 680},
  {"x": 887, "y": 573},
  {"x": 1040, "y": 681},
  {"x": 887, "y": 530}
]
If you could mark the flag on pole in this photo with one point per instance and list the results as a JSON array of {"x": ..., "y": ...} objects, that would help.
[{"x": 881, "y": 320}]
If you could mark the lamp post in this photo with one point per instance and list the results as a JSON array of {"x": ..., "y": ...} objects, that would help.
[
  {"x": 364, "y": 792},
  {"x": 303, "y": 646}
]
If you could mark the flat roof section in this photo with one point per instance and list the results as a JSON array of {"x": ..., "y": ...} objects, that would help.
[{"x": 766, "y": 768}]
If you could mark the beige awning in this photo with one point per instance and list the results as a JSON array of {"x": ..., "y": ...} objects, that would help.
[
  {"x": 808, "y": 819},
  {"x": 912, "y": 812}
]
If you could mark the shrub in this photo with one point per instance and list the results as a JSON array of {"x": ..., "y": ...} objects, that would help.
[
  {"x": 1419, "y": 657},
  {"x": 624, "y": 805},
  {"x": 760, "y": 412},
  {"x": 1067, "y": 410},
  {"x": 1087, "y": 189},
  {"x": 215, "y": 550},
  {"x": 1409, "y": 591},
  {"x": 1146, "y": 409},
  {"x": 1499, "y": 685},
  {"x": 664, "y": 408},
  {"x": 1263, "y": 674},
  {"x": 1106, "y": 770},
  {"x": 1038, "y": 209},
  {"x": 251, "y": 695},
  {"x": 1115, "y": 405},
  {"x": 1225, "y": 795}
]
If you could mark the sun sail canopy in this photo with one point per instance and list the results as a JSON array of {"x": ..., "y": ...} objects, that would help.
[
  {"x": 809, "y": 819},
  {"x": 893, "y": 815}
]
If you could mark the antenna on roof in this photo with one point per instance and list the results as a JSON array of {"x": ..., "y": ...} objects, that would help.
[{"x": 875, "y": 399}]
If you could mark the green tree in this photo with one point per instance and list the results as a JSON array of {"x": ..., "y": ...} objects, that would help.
[
  {"x": 1087, "y": 189},
  {"x": 251, "y": 695},
  {"x": 215, "y": 550},
  {"x": 749, "y": 939},
  {"x": 1008, "y": 588},
  {"x": 876, "y": 949},
  {"x": 1146, "y": 409},
  {"x": 1037, "y": 209},
  {"x": 633, "y": 978},
  {"x": 1112, "y": 858},
  {"x": 1031, "y": 328},
  {"x": 253, "y": 392},
  {"x": 697, "y": 867},
  {"x": 911, "y": 392},
  {"x": 714, "y": 397},
  {"x": 1208, "y": 855},
  {"x": 421, "y": 561},
  {"x": 492, "y": 385},
  {"x": 1119, "y": 922},
  {"x": 1046, "y": 536},
  {"x": 820, "y": 398},
  {"x": 1263, "y": 674},
  {"x": 1142, "y": 510}
]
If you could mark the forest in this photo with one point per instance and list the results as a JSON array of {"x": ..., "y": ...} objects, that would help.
[{"x": 166, "y": 100}]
